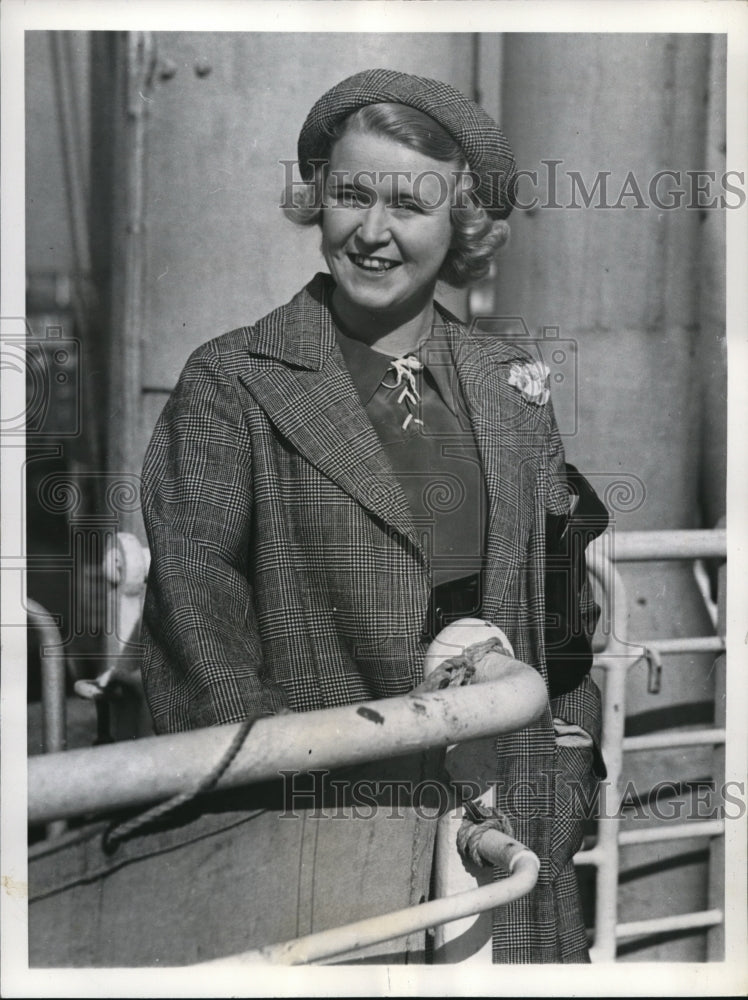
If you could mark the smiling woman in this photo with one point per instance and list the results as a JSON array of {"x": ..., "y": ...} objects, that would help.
[
  {"x": 385, "y": 257},
  {"x": 391, "y": 161},
  {"x": 328, "y": 489}
]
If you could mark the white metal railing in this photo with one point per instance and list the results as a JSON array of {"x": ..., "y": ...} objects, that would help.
[
  {"x": 102, "y": 779},
  {"x": 618, "y": 656},
  {"x": 148, "y": 770},
  {"x": 125, "y": 775},
  {"x": 53, "y": 676},
  {"x": 497, "y": 850},
  {"x": 53, "y": 696},
  {"x": 109, "y": 777}
]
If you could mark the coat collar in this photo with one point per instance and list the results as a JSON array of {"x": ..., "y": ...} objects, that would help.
[
  {"x": 305, "y": 389},
  {"x": 301, "y": 333}
]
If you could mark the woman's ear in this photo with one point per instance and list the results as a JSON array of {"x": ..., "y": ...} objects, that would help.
[
  {"x": 302, "y": 202},
  {"x": 501, "y": 232}
]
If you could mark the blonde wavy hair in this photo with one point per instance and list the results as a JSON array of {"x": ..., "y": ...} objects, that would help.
[{"x": 476, "y": 236}]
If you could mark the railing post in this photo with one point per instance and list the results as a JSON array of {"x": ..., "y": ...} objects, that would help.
[
  {"x": 615, "y": 661},
  {"x": 715, "y": 941},
  {"x": 54, "y": 672}
]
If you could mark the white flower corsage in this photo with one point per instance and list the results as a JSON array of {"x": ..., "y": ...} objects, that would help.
[{"x": 531, "y": 379}]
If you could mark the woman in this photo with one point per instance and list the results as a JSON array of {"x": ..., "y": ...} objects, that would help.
[{"x": 328, "y": 488}]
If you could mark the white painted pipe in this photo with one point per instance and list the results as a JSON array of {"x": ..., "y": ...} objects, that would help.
[
  {"x": 677, "y": 922},
  {"x": 615, "y": 660},
  {"x": 686, "y": 644},
  {"x": 101, "y": 779},
  {"x": 53, "y": 673},
  {"x": 470, "y": 764},
  {"x": 637, "y": 546},
  {"x": 502, "y": 850},
  {"x": 672, "y": 831},
  {"x": 685, "y": 738},
  {"x": 592, "y": 856},
  {"x": 53, "y": 677}
]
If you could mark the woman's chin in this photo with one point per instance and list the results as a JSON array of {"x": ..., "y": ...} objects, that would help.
[{"x": 372, "y": 294}]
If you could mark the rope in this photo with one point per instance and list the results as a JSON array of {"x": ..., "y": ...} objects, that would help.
[
  {"x": 459, "y": 670},
  {"x": 117, "y": 833},
  {"x": 476, "y": 821}
]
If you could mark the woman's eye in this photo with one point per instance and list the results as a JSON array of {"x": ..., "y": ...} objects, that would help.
[
  {"x": 350, "y": 198},
  {"x": 408, "y": 205}
]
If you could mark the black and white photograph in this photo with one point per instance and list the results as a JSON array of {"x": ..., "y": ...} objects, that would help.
[{"x": 368, "y": 622}]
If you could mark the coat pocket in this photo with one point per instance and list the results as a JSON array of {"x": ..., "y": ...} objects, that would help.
[
  {"x": 575, "y": 800},
  {"x": 583, "y": 707}
]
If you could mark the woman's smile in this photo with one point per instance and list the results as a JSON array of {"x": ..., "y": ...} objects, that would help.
[{"x": 376, "y": 265}]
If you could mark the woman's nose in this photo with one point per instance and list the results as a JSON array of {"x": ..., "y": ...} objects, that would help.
[{"x": 374, "y": 229}]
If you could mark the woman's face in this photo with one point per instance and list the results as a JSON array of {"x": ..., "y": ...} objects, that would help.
[{"x": 386, "y": 227}]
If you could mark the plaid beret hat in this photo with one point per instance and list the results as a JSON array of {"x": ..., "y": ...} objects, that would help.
[{"x": 486, "y": 149}]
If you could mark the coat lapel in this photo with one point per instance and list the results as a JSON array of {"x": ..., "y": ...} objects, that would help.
[
  {"x": 299, "y": 378},
  {"x": 505, "y": 430}
]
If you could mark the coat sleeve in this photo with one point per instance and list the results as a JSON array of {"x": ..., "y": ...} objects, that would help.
[
  {"x": 203, "y": 658},
  {"x": 574, "y": 517},
  {"x": 571, "y": 612}
]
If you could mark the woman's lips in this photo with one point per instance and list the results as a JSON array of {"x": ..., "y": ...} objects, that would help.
[{"x": 377, "y": 265}]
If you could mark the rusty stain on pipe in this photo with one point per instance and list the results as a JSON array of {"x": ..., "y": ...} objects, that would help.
[{"x": 371, "y": 715}]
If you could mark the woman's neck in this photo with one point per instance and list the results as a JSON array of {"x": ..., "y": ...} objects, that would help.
[{"x": 385, "y": 334}]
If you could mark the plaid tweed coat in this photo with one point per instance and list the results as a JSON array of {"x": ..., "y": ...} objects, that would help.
[{"x": 286, "y": 568}]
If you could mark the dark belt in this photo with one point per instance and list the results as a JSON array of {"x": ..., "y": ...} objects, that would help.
[{"x": 452, "y": 600}]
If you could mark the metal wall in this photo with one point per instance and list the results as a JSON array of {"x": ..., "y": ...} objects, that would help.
[
  {"x": 217, "y": 113},
  {"x": 628, "y": 288},
  {"x": 188, "y": 240}
]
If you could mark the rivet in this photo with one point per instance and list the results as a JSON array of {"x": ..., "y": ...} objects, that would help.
[{"x": 167, "y": 68}]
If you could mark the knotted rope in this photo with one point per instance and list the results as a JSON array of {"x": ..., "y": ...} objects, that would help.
[
  {"x": 478, "y": 819},
  {"x": 117, "y": 833},
  {"x": 459, "y": 670}
]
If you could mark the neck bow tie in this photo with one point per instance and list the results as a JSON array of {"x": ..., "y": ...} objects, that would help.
[{"x": 404, "y": 370}]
